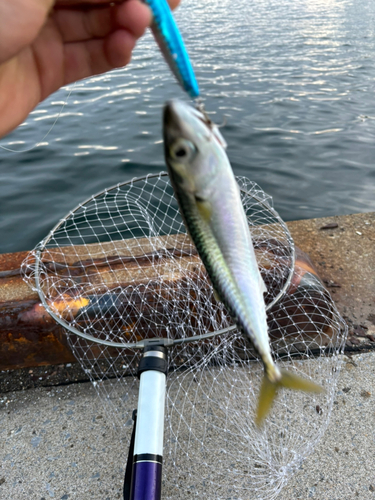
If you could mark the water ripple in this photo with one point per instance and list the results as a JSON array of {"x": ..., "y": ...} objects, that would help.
[{"x": 293, "y": 81}]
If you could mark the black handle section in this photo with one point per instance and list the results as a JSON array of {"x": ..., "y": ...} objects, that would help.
[
  {"x": 154, "y": 358},
  {"x": 129, "y": 463}
]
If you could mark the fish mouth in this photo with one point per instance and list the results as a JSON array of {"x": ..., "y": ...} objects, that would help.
[
  {"x": 176, "y": 118},
  {"x": 174, "y": 112},
  {"x": 182, "y": 120}
]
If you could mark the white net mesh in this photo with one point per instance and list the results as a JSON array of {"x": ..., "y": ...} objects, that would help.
[{"x": 120, "y": 268}]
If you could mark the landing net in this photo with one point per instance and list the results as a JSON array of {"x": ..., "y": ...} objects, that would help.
[{"x": 120, "y": 269}]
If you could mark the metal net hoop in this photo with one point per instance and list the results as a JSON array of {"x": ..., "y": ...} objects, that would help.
[{"x": 145, "y": 208}]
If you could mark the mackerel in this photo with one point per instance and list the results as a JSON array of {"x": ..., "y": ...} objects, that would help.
[{"x": 210, "y": 203}]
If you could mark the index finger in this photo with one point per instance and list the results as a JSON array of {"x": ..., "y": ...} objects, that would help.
[{"x": 86, "y": 3}]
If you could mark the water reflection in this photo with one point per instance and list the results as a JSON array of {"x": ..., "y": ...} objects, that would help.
[{"x": 293, "y": 80}]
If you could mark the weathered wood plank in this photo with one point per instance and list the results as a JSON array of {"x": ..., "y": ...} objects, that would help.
[{"x": 30, "y": 337}]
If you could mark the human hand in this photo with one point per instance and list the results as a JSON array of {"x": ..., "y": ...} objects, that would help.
[{"x": 45, "y": 44}]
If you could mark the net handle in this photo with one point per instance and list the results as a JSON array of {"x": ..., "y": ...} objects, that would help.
[{"x": 157, "y": 340}]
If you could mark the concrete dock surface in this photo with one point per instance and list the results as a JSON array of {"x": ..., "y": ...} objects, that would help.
[{"x": 58, "y": 442}]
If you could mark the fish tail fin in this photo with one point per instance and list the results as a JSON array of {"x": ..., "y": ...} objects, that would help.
[
  {"x": 267, "y": 394},
  {"x": 269, "y": 389}
]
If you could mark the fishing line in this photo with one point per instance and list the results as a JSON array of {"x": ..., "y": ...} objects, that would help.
[{"x": 48, "y": 132}]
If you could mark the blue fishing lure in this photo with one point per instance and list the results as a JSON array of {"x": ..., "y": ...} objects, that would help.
[{"x": 172, "y": 46}]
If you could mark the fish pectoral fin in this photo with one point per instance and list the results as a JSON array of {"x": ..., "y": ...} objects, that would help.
[
  {"x": 217, "y": 297},
  {"x": 269, "y": 389},
  {"x": 204, "y": 208}
]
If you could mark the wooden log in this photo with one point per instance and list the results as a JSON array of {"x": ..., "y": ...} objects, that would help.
[{"x": 30, "y": 337}]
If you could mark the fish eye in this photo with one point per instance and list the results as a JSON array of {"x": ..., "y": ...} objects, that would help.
[{"x": 182, "y": 150}]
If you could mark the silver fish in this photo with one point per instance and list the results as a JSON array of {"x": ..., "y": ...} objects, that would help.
[{"x": 210, "y": 204}]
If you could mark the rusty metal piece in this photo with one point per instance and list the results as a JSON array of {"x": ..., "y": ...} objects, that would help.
[{"x": 30, "y": 337}]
